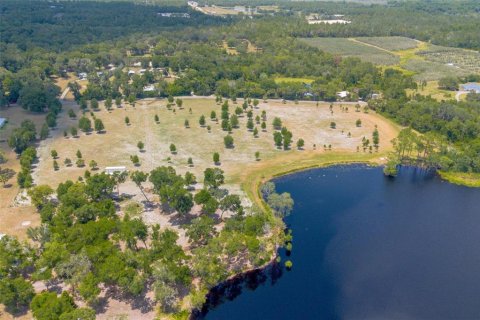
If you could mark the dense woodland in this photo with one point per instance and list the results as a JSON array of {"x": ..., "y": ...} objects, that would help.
[{"x": 83, "y": 243}]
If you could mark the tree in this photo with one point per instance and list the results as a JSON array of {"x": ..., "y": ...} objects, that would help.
[
  {"x": 228, "y": 141},
  {"x": 127, "y": 121},
  {"x": 15, "y": 293},
  {"x": 108, "y": 103},
  {"x": 44, "y": 131},
  {"x": 47, "y": 306},
  {"x": 390, "y": 169},
  {"x": 250, "y": 124},
  {"x": 190, "y": 162},
  {"x": 99, "y": 186},
  {"x": 300, "y": 144},
  {"x": 213, "y": 115},
  {"x": 21, "y": 137},
  {"x": 201, "y": 121},
  {"x": 94, "y": 104},
  {"x": 231, "y": 203},
  {"x": 118, "y": 102},
  {"x": 187, "y": 123},
  {"x": 277, "y": 123},
  {"x": 80, "y": 313},
  {"x": 55, "y": 165},
  {"x": 156, "y": 118},
  {"x": 255, "y": 102},
  {"x": 201, "y": 230},
  {"x": 140, "y": 146},
  {"x": 234, "y": 121},
  {"x": 93, "y": 165},
  {"x": 264, "y": 126},
  {"x": 281, "y": 204},
  {"x": 173, "y": 148},
  {"x": 216, "y": 158},
  {"x": 39, "y": 195},
  {"x": 257, "y": 155},
  {"x": 54, "y": 153},
  {"x": 99, "y": 127},
  {"x": 80, "y": 163},
  {"x": 73, "y": 131},
  {"x": 267, "y": 189},
  {"x": 135, "y": 160},
  {"x": 67, "y": 162},
  {"x": 255, "y": 132},
  {"x": 179, "y": 103},
  {"x": 190, "y": 178},
  {"x": 333, "y": 125},
  {"x": 139, "y": 177},
  {"x": 79, "y": 154},
  {"x": 131, "y": 100},
  {"x": 358, "y": 123},
  {"x": 375, "y": 138},
  {"x": 278, "y": 139},
  {"x": 5, "y": 175},
  {"x": 213, "y": 177},
  {"x": 85, "y": 124}
]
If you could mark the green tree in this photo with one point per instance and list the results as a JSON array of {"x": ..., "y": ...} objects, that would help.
[
  {"x": 213, "y": 115},
  {"x": 94, "y": 104},
  {"x": 281, "y": 204},
  {"x": 300, "y": 144},
  {"x": 358, "y": 123},
  {"x": 39, "y": 195},
  {"x": 202, "y": 121},
  {"x": 277, "y": 123},
  {"x": 173, "y": 148},
  {"x": 234, "y": 121},
  {"x": 201, "y": 230},
  {"x": 73, "y": 131},
  {"x": 333, "y": 125},
  {"x": 228, "y": 141},
  {"x": 93, "y": 165},
  {"x": 156, "y": 118},
  {"x": 44, "y": 131},
  {"x": 5, "y": 175},
  {"x": 15, "y": 293},
  {"x": 54, "y": 153},
  {"x": 108, "y": 103},
  {"x": 84, "y": 124},
  {"x": 140, "y": 146},
  {"x": 99, "y": 127},
  {"x": 135, "y": 160},
  {"x": 216, "y": 158},
  {"x": 213, "y": 177},
  {"x": 278, "y": 139},
  {"x": 187, "y": 123},
  {"x": 139, "y": 177},
  {"x": 127, "y": 121},
  {"x": 47, "y": 306}
]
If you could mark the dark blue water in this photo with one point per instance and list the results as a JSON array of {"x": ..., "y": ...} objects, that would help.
[{"x": 368, "y": 247}]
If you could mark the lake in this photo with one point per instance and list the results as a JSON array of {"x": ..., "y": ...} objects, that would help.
[{"x": 367, "y": 247}]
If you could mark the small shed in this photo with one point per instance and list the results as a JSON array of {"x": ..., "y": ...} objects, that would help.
[
  {"x": 343, "y": 94},
  {"x": 3, "y": 121},
  {"x": 112, "y": 170}
]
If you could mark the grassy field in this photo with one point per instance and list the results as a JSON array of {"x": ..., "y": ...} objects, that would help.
[
  {"x": 305, "y": 121},
  {"x": 351, "y": 48},
  {"x": 291, "y": 79},
  {"x": 431, "y": 89},
  {"x": 390, "y": 43}
]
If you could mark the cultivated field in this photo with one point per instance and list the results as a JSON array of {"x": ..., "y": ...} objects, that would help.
[
  {"x": 351, "y": 48},
  {"x": 390, "y": 43},
  {"x": 424, "y": 61}
]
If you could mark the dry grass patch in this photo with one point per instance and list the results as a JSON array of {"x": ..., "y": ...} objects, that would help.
[{"x": 119, "y": 142}]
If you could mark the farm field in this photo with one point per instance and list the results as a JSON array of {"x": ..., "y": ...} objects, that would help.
[
  {"x": 424, "y": 61},
  {"x": 351, "y": 48},
  {"x": 390, "y": 43},
  {"x": 305, "y": 120}
]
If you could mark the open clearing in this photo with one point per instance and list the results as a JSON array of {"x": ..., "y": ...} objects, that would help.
[{"x": 115, "y": 147}]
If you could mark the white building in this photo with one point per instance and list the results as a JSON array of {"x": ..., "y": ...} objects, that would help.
[
  {"x": 131, "y": 72},
  {"x": 343, "y": 94},
  {"x": 112, "y": 170},
  {"x": 149, "y": 88},
  {"x": 3, "y": 121}
]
